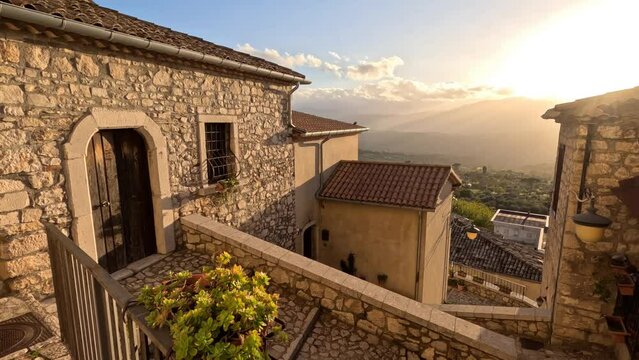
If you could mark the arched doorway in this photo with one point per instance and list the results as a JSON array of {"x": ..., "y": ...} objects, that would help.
[
  {"x": 120, "y": 188},
  {"x": 144, "y": 132}
]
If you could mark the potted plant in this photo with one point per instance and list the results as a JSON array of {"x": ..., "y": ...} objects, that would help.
[
  {"x": 616, "y": 328},
  {"x": 381, "y": 279},
  {"x": 478, "y": 279},
  {"x": 220, "y": 313},
  {"x": 453, "y": 282},
  {"x": 461, "y": 273},
  {"x": 619, "y": 263},
  {"x": 505, "y": 289},
  {"x": 625, "y": 284},
  {"x": 461, "y": 285}
]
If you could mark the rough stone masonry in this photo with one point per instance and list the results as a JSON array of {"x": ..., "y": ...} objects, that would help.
[{"x": 48, "y": 84}]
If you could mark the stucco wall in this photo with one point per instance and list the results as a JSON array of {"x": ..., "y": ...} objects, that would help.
[
  {"x": 307, "y": 169},
  {"x": 435, "y": 255},
  {"x": 46, "y": 89},
  {"x": 525, "y": 234},
  {"x": 387, "y": 236}
]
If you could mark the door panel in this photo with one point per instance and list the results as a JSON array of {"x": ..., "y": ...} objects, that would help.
[{"x": 119, "y": 185}]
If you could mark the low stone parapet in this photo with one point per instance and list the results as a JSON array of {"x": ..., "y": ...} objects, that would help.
[
  {"x": 511, "y": 321},
  {"x": 422, "y": 329}
]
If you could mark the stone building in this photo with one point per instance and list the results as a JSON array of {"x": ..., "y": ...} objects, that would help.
[
  {"x": 92, "y": 101},
  {"x": 394, "y": 219},
  {"x": 319, "y": 144},
  {"x": 598, "y": 148}
]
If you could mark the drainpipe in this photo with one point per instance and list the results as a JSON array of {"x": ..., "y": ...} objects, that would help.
[
  {"x": 321, "y": 161},
  {"x": 420, "y": 233},
  {"x": 290, "y": 105}
]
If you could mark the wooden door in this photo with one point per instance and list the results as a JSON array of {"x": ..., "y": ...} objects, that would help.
[{"x": 118, "y": 174}]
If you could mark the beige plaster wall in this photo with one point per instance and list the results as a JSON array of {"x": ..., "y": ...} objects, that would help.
[
  {"x": 307, "y": 170},
  {"x": 436, "y": 253},
  {"x": 388, "y": 237}
]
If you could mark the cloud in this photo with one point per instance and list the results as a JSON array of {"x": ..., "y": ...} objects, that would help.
[
  {"x": 398, "y": 89},
  {"x": 335, "y": 55},
  {"x": 292, "y": 60},
  {"x": 374, "y": 70}
]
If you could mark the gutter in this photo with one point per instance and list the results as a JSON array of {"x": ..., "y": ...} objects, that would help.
[
  {"x": 18, "y": 13},
  {"x": 332, "y": 132}
]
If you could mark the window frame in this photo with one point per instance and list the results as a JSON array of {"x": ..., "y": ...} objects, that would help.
[{"x": 232, "y": 121}]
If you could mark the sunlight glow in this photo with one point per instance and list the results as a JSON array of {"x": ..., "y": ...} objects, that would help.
[{"x": 588, "y": 52}]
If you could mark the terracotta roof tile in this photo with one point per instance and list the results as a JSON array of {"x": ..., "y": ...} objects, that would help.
[
  {"x": 308, "y": 123},
  {"x": 406, "y": 185},
  {"x": 91, "y": 13},
  {"x": 490, "y": 252}
]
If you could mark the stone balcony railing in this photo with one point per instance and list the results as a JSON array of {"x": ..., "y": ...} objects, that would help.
[{"x": 420, "y": 328}]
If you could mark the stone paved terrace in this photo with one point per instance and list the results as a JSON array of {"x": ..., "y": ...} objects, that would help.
[{"x": 468, "y": 298}]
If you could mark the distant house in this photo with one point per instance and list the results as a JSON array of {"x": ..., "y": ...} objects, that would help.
[
  {"x": 524, "y": 227},
  {"x": 319, "y": 144},
  {"x": 394, "y": 218},
  {"x": 510, "y": 260}
]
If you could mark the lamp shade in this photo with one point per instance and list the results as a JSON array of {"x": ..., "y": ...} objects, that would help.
[
  {"x": 471, "y": 233},
  {"x": 589, "y": 227}
]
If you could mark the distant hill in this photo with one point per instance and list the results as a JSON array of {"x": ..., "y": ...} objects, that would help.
[{"x": 501, "y": 134}]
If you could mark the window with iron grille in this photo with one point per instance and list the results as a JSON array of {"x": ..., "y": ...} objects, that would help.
[{"x": 220, "y": 160}]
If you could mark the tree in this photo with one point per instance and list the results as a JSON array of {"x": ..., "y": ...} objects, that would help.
[
  {"x": 484, "y": 169},
  {"x": 479, "y": 213}
]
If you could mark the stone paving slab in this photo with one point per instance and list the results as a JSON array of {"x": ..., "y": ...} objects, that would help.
[{"x": 467, "y": 298}]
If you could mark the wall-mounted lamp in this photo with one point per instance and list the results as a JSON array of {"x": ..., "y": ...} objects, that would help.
[
  {"x": 589, "y": 227},
  {"x": 471, "y": 230}
]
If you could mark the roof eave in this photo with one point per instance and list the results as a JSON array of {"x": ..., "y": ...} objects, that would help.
[
  {"x": 306, "y": 134},
  {"x": 36, "y": 17},
  {"x": 360, "y": 202}
]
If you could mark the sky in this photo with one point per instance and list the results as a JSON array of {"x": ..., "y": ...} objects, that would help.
[{"x": 417, "y": 55}]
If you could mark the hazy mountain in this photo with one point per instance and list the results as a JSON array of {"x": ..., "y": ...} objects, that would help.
[{"x": 504, "y": 134}]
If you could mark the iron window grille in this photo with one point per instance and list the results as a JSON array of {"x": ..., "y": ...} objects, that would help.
[{"x": 220, "y": 160}]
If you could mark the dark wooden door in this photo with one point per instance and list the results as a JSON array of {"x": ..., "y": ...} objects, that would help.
[
  {"x": 118, "y": 173},
  {"x": 308, "y": 242}
]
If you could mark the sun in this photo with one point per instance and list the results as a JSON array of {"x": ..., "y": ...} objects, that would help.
[{"x": 587, "y": 52}]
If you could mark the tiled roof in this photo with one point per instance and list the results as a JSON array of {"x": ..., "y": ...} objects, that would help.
[
  {"x": 90, "y": 13},
  {"x": 521, "y": 218},
  {"x": 309, "y": 124},
  {"x": 490, "y": 252},
  {"x": 406, "y": 185}
]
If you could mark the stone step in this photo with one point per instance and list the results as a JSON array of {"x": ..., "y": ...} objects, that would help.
[{"x": 296, "y": 345}]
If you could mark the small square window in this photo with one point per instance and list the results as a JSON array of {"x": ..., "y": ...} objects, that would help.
[
  {"x": 220, "y": 160},
  {"x": 218, "y": 148}
]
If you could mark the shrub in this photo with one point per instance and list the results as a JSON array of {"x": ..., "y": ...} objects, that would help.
[
  {"x": 219, "y": 314},
  {"x": 479, "y": 213}
]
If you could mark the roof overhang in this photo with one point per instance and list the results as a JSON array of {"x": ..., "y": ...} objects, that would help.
[
  {"x": 304, "y": 134},
  {"x": 36, "y": 17}
]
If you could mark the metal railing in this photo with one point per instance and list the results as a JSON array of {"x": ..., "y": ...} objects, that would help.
[
  {"x": 98, "y": 316},
  {"x": 488, "y": 280}
]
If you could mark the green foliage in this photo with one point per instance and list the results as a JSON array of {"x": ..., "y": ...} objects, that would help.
[
  {"x": 220, "y": 314},
  {"x": 349, "y": 265},
  {"x": 602, "y": 289},
  {"x": 506, "y": 189},
  {"x": 479, "y": 213}
]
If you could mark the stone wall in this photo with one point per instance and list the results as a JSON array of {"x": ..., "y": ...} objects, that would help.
[
  {"x": 615, "y": 156},
  {"x": 521, "y": 322},
  {"x": 421, "y": 329},
  {"x": 47, "y": 85}
]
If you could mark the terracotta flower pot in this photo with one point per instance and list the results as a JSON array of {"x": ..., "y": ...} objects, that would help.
[
  {"x": 625, "y": 284},
  {"x": 616, "y": 328}
]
